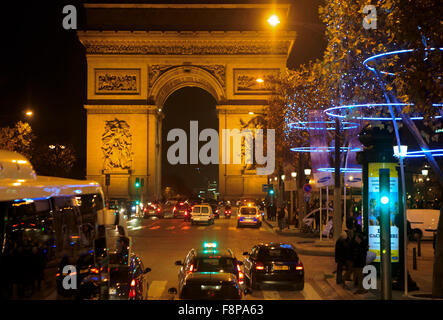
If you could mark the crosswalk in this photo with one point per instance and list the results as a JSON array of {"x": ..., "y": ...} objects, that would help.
[
  {"x": 313, "y": 290},
  {"x": 157, "y": 227}
]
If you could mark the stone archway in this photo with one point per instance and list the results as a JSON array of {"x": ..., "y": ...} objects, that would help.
[
  {"x": 185, "y": 76},
  {"x": 131, "y": 73}
]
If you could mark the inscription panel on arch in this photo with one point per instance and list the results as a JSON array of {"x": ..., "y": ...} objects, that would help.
[{"x": 117, "y": 81}]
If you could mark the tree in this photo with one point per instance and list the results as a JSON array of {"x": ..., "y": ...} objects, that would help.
[
  {"x": 56, "y": 160},
  {"x": 18, "y": 138}
]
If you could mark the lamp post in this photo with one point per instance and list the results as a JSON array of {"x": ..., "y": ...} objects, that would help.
[
  {"x": 401, "y": 154},
  {"x": 294, "y": 176}
]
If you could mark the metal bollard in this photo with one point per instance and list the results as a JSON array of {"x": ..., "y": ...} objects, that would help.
[
  {"x": 419, "y": 246},
  {"x": 414, "y": 258}
]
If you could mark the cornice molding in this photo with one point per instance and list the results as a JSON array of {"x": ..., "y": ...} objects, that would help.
[
  {"x": 187, "y": 43},
  {"x": 129, "y": 109}
]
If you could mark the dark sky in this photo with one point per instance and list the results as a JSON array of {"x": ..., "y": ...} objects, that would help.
[{"x": 43, "y": 67}]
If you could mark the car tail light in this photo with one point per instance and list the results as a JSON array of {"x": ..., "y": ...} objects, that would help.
[
  {"x": 132, "y": 290},
  {"x": 145, "y": 209},
  {"x": 299, "y": 266},
  {"x": 181, "y": 203},
  {"x": 259, "y": 266},
  {"x": 158, "y": 209},
  {"x": 241, "y": 276},
  {"x": 57, "y": 275},
  {"x": 133, "y": 283},
  {"x": 229, "y": 211},
  {"x": 191, "y": 268},
  {"x": 186, "y": 212},
  {"x": 94, "y": 270},
  {"x": 175, "y": 209}
]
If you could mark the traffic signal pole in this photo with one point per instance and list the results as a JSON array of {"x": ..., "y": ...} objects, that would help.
[{"x": 385, "y": 233}]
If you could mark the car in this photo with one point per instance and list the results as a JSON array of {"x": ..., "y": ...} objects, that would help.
[
  {"x": 202, "y": 213},
  {"x": 152, "y": 210},
  {"x": 273, "y": 263},
  {"x": 424, "y": 222},
  {"x": 168, "y": 208},
  {"x": 181, "y": 210},
  {"x": 210, "y": 273},
  {"x": 112, "y": 271},
  {"x": 249, "y": 216},
  {"x": 228, "y": 211}
]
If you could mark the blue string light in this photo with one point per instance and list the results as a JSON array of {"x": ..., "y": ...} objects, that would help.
[
  {"x": 345, "y": 170},
  {"x": 306, "y": 125},
  {"x": 391, "y": 53},
  {"x": 422, "y": 153},
  {"x": 336, "y": 112},
  {"x": 324, "y": 149}
]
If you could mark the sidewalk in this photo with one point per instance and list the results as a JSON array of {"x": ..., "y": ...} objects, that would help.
[{"x": 308, "y": 244}]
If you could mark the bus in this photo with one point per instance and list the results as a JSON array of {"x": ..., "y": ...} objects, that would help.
[{"x": 45, "y": 222}]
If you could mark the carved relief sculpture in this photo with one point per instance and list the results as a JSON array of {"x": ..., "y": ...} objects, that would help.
[
  {"x": 117, "y": 145},
  {"x": 117, "y": 81},
  {"x": 257, "y": 122},
  {"x": 254, "y": 81}
]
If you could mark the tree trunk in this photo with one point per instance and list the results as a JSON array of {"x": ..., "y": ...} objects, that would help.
[
  {"x": 301, "y": 201},
  {"x": 337, "y": 216}
]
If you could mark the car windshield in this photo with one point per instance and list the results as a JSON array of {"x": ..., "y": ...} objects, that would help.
[
  {"x": 277, "y": 253},
  {"x": 215, "y": 264},
  {"x": 248, "y": 211}
]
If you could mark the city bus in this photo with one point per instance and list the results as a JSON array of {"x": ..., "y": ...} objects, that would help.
[{"x": 45, "y": 222}]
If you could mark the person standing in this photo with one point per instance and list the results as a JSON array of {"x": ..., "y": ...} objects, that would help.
[
  {"x": 359, "y": 253},
  {"x": 342, "y": 254}
]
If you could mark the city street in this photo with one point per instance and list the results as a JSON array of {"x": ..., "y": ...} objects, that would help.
[{"x": 160, "y": 242}]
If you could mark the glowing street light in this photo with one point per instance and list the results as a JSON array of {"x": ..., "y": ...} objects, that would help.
[
  {"x": 283, "y": 177},
  {"x": 307, "y": 172},
  {"x": 425, "y": 172},
  {"x": 294, "y": 174},
  {"x": 260, "y": 80},
  {"x": 273, "y": 20},
  {"x": 403, "y": 151}
]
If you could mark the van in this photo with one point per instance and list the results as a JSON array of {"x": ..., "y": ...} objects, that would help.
[
  {"x": 202, "y": 213},
  {"x": 423, "y": 222}
]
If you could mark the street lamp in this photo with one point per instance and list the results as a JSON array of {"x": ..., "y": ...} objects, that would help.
[
  {"x": 403, "y": 151},
  {"x": 425, "y": 172},
  {"x": 29, "y": 113},
  {"x": 294, "y": 174},
  {"x": 283, "y": 177},
  {"x": 307, "y": 172},
  {"x": 275, "y": 178},
  {"x": 273, "y": 20}
]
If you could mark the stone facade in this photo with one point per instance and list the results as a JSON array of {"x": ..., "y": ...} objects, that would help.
[{"x": 131, "y": 75}]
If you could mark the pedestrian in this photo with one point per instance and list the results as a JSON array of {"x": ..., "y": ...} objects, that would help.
[
  {"x": 281, "y": 217},
  {"x": 342, "y": 255},
  {"x": 359, "y": 249},
  {"x": 286, "y": 218}
]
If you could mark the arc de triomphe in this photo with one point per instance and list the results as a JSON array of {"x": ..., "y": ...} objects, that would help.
[{"x": 132, "y": 72}]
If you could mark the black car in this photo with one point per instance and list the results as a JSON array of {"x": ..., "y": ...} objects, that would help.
[
  {"x": 181, "y": 210},
  {"x": 210, "y": 273},
  {"x": 273, "y": 263}
]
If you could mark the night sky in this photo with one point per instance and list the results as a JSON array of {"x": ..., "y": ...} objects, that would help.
[{"x": 44, "y": 69}]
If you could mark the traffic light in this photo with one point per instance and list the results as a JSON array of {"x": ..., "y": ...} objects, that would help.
[
  {"x": 137, "y": 182},
  {"x": 271, "y": 190},
  {"x": 384, "y": 187}
]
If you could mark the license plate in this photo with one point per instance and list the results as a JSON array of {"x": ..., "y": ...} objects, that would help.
[{"x": 280, "y": 268}]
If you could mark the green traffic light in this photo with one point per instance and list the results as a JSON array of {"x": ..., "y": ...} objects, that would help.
[
  {"x": 384, "y": 200},
  {"x": 137, "y": 185},
  {"x": 271, "y": 191}
]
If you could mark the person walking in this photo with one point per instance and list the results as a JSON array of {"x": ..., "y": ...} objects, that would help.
[{"x": 342, "y": 255}]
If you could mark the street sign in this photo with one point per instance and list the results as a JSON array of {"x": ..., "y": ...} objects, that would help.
[
  {"x": 307, "y": 188},
  {"x": 265, "y": 187},
  {"x": 307, "y": 197}
]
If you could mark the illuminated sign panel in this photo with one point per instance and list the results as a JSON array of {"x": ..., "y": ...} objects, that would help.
[{"x": 374, "y": 201}]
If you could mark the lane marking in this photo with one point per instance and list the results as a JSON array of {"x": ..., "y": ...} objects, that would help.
[
  {"x": 156, "y": 289},
  {"x": 309, "y": 292},
  {"x": 271, "y": 295}
]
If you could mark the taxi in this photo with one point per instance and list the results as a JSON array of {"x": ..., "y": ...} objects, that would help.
[{"x": 210, "y": 273}]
